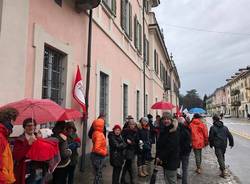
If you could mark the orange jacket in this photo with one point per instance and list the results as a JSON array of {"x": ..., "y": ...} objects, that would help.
[
  {"x": 199, "y": 134},
  {"x": 6, "y": 160},
  {"x": 98, "y": 138}
]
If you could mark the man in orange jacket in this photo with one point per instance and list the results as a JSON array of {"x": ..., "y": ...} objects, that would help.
[
  {"x": 6, "y": 161},
  {"x": 199, "y": 139}
]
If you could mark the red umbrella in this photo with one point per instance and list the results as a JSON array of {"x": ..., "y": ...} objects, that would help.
[
  {"x": 163, "y": 105},
  {"x": 70, "y": 114},
  {"x": 43, "y": 150},
  {"x": 42, "y": 110}
]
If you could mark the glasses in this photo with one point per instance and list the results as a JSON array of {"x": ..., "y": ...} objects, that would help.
[{"x": 30, "y": 125}]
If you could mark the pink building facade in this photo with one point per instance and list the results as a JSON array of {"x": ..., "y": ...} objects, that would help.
[{"x": 41, "y": 50}]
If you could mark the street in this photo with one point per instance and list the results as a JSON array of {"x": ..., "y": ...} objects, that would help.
[{"x": 238, "y": 157}]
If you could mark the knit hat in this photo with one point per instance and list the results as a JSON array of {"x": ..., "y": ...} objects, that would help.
[
  {"x": 168, "y": 115},
  {"x": 144, "y": 119},
  {"x": 117, "y": 127},
  {"x": 129, "y": 117}
]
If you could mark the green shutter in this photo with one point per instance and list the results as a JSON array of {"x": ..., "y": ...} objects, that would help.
[
  {"x": 135, "y": 31},
  {"x": 123, "y": 14},
  {"x": 114, "y": 7},
  {"x": 130, "y": 21}
]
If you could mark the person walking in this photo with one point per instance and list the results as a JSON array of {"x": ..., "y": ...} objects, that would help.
[
  {"x": 7, "y": 117},
  {"x": 116, "y": 148},
  {"x": 199, "y": 134},
  {"x": 168, "y": 148},
  {"x": 218, "y": 136},
  {"x": 74, "y": 142},
  {"x": 99, "y": 150},
  {"x": 130, "y": 136},
  {"x": 60, "y": 133},
  {"x": 144, "y": 152},
  {"x": 185, "y": 147}
]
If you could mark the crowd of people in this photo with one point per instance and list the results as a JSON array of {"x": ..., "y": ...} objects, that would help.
[
  {"x": 37, "y": 157},
  {"x": 167, "y": 141}
]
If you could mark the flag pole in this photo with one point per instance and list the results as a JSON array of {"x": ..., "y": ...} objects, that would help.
[{"x": 85, "y": 120}]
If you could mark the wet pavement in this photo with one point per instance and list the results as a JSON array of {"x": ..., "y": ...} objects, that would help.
[{"x": 210, "y": 173}]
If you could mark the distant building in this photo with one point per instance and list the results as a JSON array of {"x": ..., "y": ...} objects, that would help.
[{"x": 233, "y": 98}]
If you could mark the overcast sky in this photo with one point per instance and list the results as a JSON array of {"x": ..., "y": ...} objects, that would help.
[{"x": 206, "y": 59}]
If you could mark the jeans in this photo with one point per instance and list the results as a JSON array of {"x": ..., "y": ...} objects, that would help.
[
  {"x": 116, "y": 175},
  {"x": 220, "y": 154},
  {"x": 128, "y": 167},
  {"x": 97, "y": 163},
  {"x": 170, "y": 176},
  {"x": 184, "y": 164},
  {"x": 71, "y": 173},
  {"x": 198, "y": 157}
]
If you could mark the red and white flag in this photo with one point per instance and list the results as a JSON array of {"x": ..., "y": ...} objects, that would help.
[{"x": 78, "y": 90}]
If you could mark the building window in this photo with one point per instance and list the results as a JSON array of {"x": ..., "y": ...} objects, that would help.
[
  {"x": 59, "y": 2},
  {"x": 156, "y": 64},
  {"x": 104, "y": 94},
  {"x": 137, "y": 105},
  {"x": 146, "y": 104},
  {"x": 110, "y": 5},
  {"x": 137, "y": 34},
  {"x": 125, "y": 101},
  {"x": 146, "y": 50},
  {"x": 53, "y": 75},
  {"x": 126, "y": 18}
]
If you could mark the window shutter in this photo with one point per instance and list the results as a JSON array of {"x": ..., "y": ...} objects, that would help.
[
  {"x": 135, "y": 31},
  {"x": 123, "y": 14},
  {"x": 114, "y": 7},
  {"x": 147, "y": 52},
  {"x": 140, "y": 38},
  {"x": 130, "y": 21},
  {"x": 144, "y": 48}
]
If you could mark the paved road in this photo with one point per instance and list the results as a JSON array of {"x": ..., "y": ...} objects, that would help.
[{"x": 238, "y": 158}]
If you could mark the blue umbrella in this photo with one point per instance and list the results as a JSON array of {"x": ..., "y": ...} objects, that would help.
[{"x": 197, "y": 110}]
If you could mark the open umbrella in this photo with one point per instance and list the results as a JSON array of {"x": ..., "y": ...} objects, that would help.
[
  {"x": 197, "y": 110},
  {"x": 42, "y": 110},
  {"x": 70, "y": 114},
  {"x": 163, "y": 105}
]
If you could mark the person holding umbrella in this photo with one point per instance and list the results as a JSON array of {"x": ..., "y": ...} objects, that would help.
[
  {"x": 22, "y": 145},
  {"x": 7, "y": 116}
]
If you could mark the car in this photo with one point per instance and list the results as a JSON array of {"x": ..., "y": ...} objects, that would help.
[{"x": 227, "y": 116}]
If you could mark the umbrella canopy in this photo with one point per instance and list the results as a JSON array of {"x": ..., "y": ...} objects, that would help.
[
  {"x": 43, "y": 150},
  {"x": 163, "y": 105},
  {"x": 42, "y": 110},
  {"x": 70, "y": 114},
  {"x": 197, "y": 110}
]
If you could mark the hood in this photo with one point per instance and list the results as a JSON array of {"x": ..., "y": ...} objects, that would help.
[
  {"x": 196, "y": 121},
  {"x": 218, "y": 124},
  {"x": 111, "y": 134},
  {"x": 98, "y": 125},
  {"x": 3, "y": 130}
]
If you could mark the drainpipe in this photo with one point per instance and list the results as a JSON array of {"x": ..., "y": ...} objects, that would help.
[{"x": 144, "y": 59}]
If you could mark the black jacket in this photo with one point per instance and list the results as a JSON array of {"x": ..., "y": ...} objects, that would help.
[
  {"x": 131, "y": 149},
  {"x": 218, "y": 136},
  {"x": 144, "y": 135},
  {"x": 168, "y": 148},
  {"x": 185, "y": 140},
  {"x": 116, "y": 149}
]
